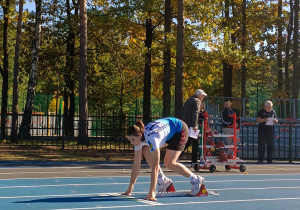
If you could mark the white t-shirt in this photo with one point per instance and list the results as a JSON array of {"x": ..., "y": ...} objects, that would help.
[
  {"x": 137, "y": 148},
  {"x": 158, "y": 132}
]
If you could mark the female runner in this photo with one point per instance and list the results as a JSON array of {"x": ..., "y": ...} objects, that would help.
[
  {"x": 142, "y": 148},
  {"x": 171, "y": 133}
]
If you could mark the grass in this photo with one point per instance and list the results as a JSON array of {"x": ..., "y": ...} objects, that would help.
[
  {"x": 51, "y": 153},
  {"x": 72, "y": 154}
]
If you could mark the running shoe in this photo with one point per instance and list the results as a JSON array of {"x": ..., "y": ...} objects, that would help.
[
  {"x": 196, "y": 185},
  {"x": 163, "y": 186}
]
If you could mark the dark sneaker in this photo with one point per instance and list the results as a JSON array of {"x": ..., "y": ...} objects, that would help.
[{"x": 260, "y": 161}]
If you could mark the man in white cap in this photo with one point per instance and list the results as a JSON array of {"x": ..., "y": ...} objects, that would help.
[{"x": 189, "y": 114}]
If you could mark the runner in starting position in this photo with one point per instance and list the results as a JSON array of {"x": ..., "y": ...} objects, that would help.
[
  {"x": 141, "y": 147},
  {"x": 166, "y": 132}
]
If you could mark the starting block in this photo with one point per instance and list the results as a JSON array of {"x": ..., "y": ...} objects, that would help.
[
  {"x": 172, "y": 192},
  {"x": 171, "y": 188},
  {"x": 203, "y": 192}
]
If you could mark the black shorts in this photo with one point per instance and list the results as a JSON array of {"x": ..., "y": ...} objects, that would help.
[{"x": 178, "y": 141}]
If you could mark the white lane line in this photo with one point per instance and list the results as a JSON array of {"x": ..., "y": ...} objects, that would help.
[
  {"x": 175, "y": 175},
  {"x": 151, "y": 203},
  {"x": 49, "y": 196},
  {"x": 65, "y": 185},
  {"x": 57, "y": 177},
  {"x": 257, "y": 188},
  {"x": 44, "y": 167},
  {"x": 99, "y": 170},
  {"x": 124, "y": 183},
  {"x": 61, "y": 172},
  {"x": 144, "y": 193},
  {"x": 186, "y": 203},
  {"x": 99, "y": 167}
]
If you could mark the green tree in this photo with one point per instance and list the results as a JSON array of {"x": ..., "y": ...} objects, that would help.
[
  {"x": 83, "y": 109},
  {"x": 244, "y": 47},
  {"x": 287, "y": 80},
  {"x": 279, "y": 45},
  {"x": 179, "y": 60},
  {"x": 296, "y": 53},
  {"x": 14, "y": 135},
  {"x": 69, "y": 76},
  {"x": 4, "y": 68},
  {"x": 24, "y": 131},
  {"x": 227, "y": 64},
  {"x": 167, "y": 60}
]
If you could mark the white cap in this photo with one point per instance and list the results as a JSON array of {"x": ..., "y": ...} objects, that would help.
[{"x": 200, "y": 92}]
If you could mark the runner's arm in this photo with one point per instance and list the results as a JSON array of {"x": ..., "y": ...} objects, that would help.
[
  {"x": 154, "y": 172},
  {"x": 134, "y": 171}
]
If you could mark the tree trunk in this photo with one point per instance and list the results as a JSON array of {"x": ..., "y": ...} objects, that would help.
[
  {"x": 71, "y": 108},
  {"x": 4, "y": 69},
  {"x": 244, "y": 47},
  {"x": 279, "y": 46},
  {"x": 227, "y": 79},
  {"x": 296, "y": 57},
  {"x": 147, "y": 74},
  {"x": 14, "y": 136},
  {"x": 122, "y": 115},
  {"x": 179, "y": 60},
  {"x": 287, "y": 59},
  {"x": 83, "y": 109},
  {"x": 72, "y": 83},
  {"x": 24, "y": 132},
  {"x": 66, "y": 109},
  {"x": 227, "y": 68},
  {"x": 69, "y": 95},
  {"x": 167, "y": 61},
  {"x": 279, "y": 54}
]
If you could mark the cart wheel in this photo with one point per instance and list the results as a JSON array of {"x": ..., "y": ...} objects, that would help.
[
  {"x": 212, "y": 168},
  {"x": 227, "y": 168},
  {"x": 242, "y": 168},
  {"x": 196, "y": 167}
]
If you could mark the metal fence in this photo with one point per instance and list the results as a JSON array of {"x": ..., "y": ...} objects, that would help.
[
  {"x": 108, "y": 133},
  {"x": 248, "y": 107},
  {"x": 287, "y": 140},
  {"x": 104, "y": 132}
]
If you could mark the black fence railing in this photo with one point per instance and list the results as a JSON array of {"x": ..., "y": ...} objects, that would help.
[
  {"x": 104, "y": 131},
  {"x": 109, "y": 133},
  {"x": 248, "y": 107},
  {"x": 287, "y": 140}
]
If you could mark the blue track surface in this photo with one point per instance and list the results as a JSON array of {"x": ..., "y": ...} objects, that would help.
[{"x": 240, "y": 191}]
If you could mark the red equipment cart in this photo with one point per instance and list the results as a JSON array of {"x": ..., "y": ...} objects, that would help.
[{"x": 209, "y": 161}]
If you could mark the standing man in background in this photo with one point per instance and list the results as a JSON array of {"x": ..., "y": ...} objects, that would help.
[
  {"x": 266, "y": 117},
  {"x": 227, "y": 123},
  {"x": 190, "y": 114}
]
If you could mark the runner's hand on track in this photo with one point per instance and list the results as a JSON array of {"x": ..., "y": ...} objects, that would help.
[
  {"x": 128, "y": 192},
  {"x": 151, "y": 196}
]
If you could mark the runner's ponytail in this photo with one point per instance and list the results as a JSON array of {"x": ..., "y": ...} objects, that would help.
[
  {"x": 141, "y": 125},
  {"x": 135, "y": 130}
]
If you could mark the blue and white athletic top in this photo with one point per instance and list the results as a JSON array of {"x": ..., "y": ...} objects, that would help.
[
  {"x": 143, "y": 143},
  {"x": 158, "y": 132}
]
